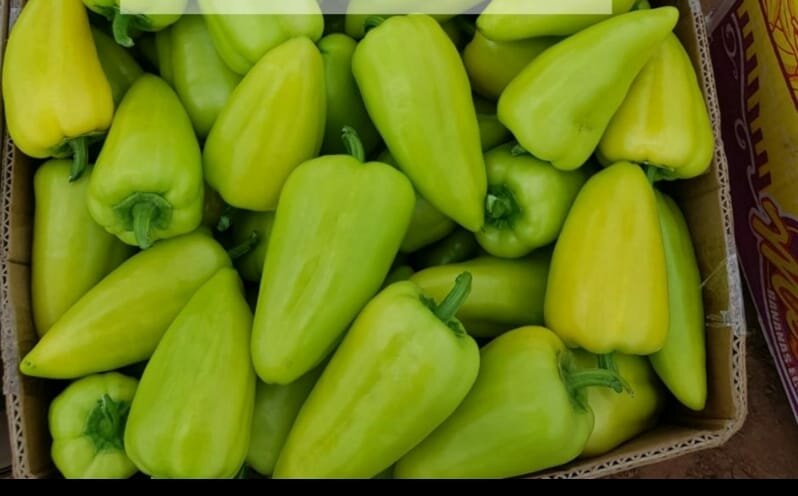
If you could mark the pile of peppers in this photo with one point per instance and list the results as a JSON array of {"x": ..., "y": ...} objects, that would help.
[{"x": 337, "y": 246}]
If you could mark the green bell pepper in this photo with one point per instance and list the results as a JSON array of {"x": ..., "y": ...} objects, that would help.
[
  {"x": 491, "y": 65},
  {"x": 345, "y": 106},
  {"x": 560, "y": 105},
  {"x": 276, "y": 409},
  {"x": 457, "y": 247},
  {"x": 147, "y": 184},
  {"x": 273, "y": 122},
  {"x": 192, "y": 414},
  {"x": 358, "y": 420},
  {"x": 418, "y": 95},
  {"x": 120, "y": 321},
  {"x": 242, "y": 40},
  {"x": 492, "y": 132},
  {"x": 681, "y": 364},
  {"x": 251, "y": 233},
  {"x": 119, "y": 66},
  {"x": 505, "y": 294},
  {"x": 338, "y": 227},
  {"x": 527, "y": 204},
  {"x": 125, "y": 25},
  {"x": 498, "y": 21},
  {"x": 621, "y": 417},
  {"x": 71, "y": 253},
  {"x": 199, "y": 76},
  {"x": 87, "y": 423},
  {"x": 527, "y": 411}
]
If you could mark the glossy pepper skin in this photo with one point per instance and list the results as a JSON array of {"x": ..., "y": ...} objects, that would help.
[
  {"x": 192, "y": 413},
  {"x": 560, "y": 105},
  {"x": 252, "y": 231},
  {"x": 120, "y": 68},
  {"x": 681, "y": 364},
  {"x": 87, "y": 423},
  {"x": 337, "y": 230},
  {"x": 71, "y": 253},
  {"x": 273, "y": 122},
  {"x": 242, "y": 40},
  {"x": 199, "y": 76},
  {"x": 120, "y": 321},
  {"x": 499, "y": 22},
  {"x": 621, "y": 417},
  {"x": 526, "y": 412},
  {"x": 434, "y": 133},
  {"x": 505, "y": 294},
  {"x": 345, "y": 106},
  {"x": 125, "y": 25},
  {"x": 147, "y": 184},
  {"x": 276, "y": 409},
  {"x": 491, "y": 65},
  {"x": 57, "y": 98},
  {"x": 457, "y": 247},
  {"x": 360, "y": 419},
  {"x": 527, "y": 204},
  {"x": 672, "y": 132},
  {"x": 491, "y": 131},
  {"x": 608, "y": 285}
]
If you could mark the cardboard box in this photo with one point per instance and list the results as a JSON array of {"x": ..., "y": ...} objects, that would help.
[{"x": 707, "y": 205}]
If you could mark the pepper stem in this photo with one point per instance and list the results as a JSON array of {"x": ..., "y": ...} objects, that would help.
[
  {"x": 80, "y": 157},
  {"x": 143, "y": 216},
  {"x": 372, "y": 22},
  {"x": 652, "y": 174},
  {"x": 577, "y": 381},
  {"x": 353, "y": 144},
  {"x": 226, "y": 219},
  {"x": 121, "y": 28},
  {"x": 455, "y": 299},
  {"x": 141, "y": 212},
  {"x": 106, "y": 423},
  {"x": 607, "y": 362},
  {"x": 247, "y": 246},
  {"x": 500, "y": 207}
]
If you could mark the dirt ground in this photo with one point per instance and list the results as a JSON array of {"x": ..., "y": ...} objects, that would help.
[{"x": 766, "y": 447}]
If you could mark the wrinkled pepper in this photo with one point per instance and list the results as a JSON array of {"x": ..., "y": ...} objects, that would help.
[
  {"x": 621, "y": 417},
  {"x": 273, "y": 122},
  {"x": 337, "y": 230},
  {"x": 434, "y": 133},
  {"x": 664, "y": 119},
  {"x": 147, "y": 184},
  {"x": 251, "y": 231},
  {"x": 242, "y": 40},
  {"x": 527, "y": 411},
  {"x": 491, "y": 65},
  {"x": 457, "y": 247},
  {"x": 345, "y": 106},
  {"x": 359, "y": 11},
  {"x": 192, "y": 414},
  {"x": 87, "y": 423},
  {"x": 491, "y": 131},
  {"x": 681, "y": 364},
  {"x": 57, "y": 98},
  {"x": 138, "y": 18},
  {"x": 358, "y": 420},
  {"x": 71, "y": 253},
  {"x": 120, "y": 68},
  {"x": 560, "y": 105},
  {"x": 527, "y": 204},
  {"x": 199, "y": 76},
  {"x": 499, "y": 22},
  {"x": 608, "y": 285},
  {"x": 276, "y": 409},
  {"x": 505, "y": 294},
  {"x": 120, "y": 321}
]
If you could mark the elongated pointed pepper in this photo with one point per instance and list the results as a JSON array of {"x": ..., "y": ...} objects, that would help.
[
  {"x": 670, "y": 130},
  {"x": 527, "y": 411},
  {"x": 87, "y": 423},
  {"x": 147, "y": 184},
  {"x": 418, "y": 95},
  {"x": 138, "y": 17},
  {"x": 337, "y": 230},
  {"x": 242, "y": 40},
  {"x": 192, "y": 413},
  {"x": 682, "y": 363},
  {"x": 199, "y": 76},
  {"x": 119, "y": 66},
  {"x": 560, "y": 105},
  {"x": 273, "y": 122},
  {"x": 71, "y": 253},
  {"x": 403, "y": 345},
  {"x": 120, "y": 321},
  {"x": 608, "y": 284},
  {"x": 57, "y": 97},
  {"x": 527, "y": 204}
]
